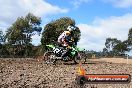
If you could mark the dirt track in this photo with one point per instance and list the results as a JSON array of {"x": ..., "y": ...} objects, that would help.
[{"x": 34, "y": 74}]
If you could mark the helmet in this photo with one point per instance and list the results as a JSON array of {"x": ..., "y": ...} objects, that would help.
[{"x": 71, "y": 28}]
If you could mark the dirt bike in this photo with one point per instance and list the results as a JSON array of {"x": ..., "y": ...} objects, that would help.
[{"x": 55, "y": 53}]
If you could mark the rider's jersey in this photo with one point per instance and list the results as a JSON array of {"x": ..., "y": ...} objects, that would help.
[{"x": 62, "y": 37}]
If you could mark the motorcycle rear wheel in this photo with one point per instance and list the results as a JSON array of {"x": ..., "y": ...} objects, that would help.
[{"x": 49, "y": 57}]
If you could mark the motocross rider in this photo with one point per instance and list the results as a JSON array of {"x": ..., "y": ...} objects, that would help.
[{"x": 65, "y": 38}]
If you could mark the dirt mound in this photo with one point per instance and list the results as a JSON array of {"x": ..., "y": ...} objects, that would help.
[{"x": 31, "y": 73}]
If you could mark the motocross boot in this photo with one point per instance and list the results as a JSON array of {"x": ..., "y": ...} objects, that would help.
[{"x": 64, "y": 56}]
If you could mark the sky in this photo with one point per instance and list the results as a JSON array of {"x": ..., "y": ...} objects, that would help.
[{"x": 97, "y": 19}]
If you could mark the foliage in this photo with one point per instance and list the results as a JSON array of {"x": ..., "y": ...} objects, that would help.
[
  {"x": 115, "y": 47},
  {"x": 2, "y": 37},
  {"x": 19, "y": 35},
  {"x": 130, "y": 39},
  {"x": 111, "y": 43},
  {"x": 4, "y": 50},
  {"x": 120, "y": 48},
  {"x": 23, "y": 29}
]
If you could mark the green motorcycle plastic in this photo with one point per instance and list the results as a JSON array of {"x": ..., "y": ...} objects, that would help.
[{"x": 54, "y": 54}]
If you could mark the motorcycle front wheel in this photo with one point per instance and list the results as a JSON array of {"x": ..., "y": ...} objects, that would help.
[
  {"x": 49, "y": 57},
  {"x": 79, "y": 59}
]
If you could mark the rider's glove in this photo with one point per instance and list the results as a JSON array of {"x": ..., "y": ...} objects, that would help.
[
  {"x": 69, "y": 47},
  {"x": 72, "y": 39}
]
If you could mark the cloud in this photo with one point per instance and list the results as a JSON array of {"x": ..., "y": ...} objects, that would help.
[
  {"x": 93, "y": 35},
  {"x": 120, "y": 3},
  {"x": 77, "y": 3},
  {"x": 10, "y": 10}
]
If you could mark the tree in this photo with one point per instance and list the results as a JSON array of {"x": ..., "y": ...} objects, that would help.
[
  {"x": 120, "y": 48},
  {"x": 22, "y": 29},
  {"x": 110, "y": 45},
  {"x": 3, "y": 49},
  {"x": 116, "y": 47},
  {"x": 105, "y": 52},
  {"x": 20, "y": 33},
  {"x": 53, "y": 29},
  {"x": 130, "y": 39},
  {"x": 2, "y": 37}
]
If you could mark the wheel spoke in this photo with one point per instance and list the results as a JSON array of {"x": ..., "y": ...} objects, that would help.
[
  {"x": 49, "y": 57},
  {"x": 79, "y": 59}
]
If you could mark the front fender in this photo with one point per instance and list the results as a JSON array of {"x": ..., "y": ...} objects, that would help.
[
  {"x": 50, "y": 46},
  {"x": 80, "y": 49},
  {"x": 73, "y": 53}
]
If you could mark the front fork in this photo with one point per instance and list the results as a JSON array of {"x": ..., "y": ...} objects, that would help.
[
  {"x": 76, "y": 55},
  {"x": 79, "y": 56}
]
